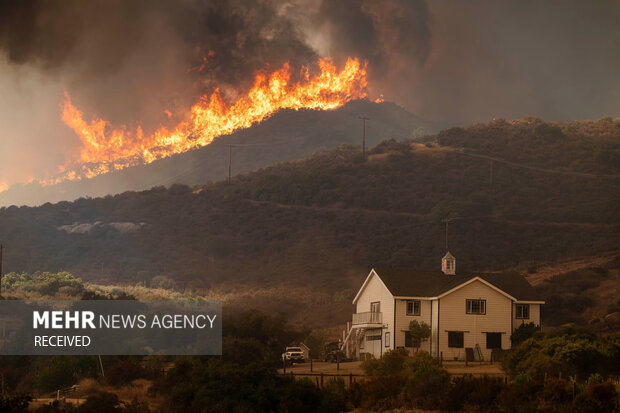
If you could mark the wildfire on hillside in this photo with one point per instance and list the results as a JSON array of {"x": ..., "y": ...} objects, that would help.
[{"x": 106, "y": 148}]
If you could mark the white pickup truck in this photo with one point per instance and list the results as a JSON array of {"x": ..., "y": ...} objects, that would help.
[{"x": 293, "y": 355}]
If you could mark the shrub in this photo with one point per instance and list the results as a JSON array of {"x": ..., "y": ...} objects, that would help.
[
  {"x": 334, "y": 396},
  {"x": 124, "y": 372},
  {"x": 392, "y": 362},
  {"x": 161, "y": 281},
  {"x": 568, "y": 354},
  {"x": 556, "y": 396},
  {"x": 44, "y": 283},
  {"x": 14, "y": 403},
  {"x": 523, "y": 332},
  {"x": 598, "y": 398}
]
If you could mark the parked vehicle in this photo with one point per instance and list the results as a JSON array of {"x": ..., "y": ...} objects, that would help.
[
  {"x": 293, "y": 355},
  {"x": 333, "y": 353}
]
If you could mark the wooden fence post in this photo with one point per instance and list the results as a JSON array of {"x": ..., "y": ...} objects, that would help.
[
  {"x": 350, "y": 379},
  {"x": 311, "y": 366},
  {"x": 321, "y": 379}
]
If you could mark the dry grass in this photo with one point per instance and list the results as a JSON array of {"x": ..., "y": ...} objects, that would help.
[
  {"x": 548, "y": 271},
  {"x": 136, "y": 391}
]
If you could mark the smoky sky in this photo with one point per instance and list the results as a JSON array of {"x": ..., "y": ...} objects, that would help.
[{"x": 130, "y": 60}]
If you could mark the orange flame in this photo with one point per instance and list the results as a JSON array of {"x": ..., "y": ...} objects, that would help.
[{"x": 106, "y": 148}]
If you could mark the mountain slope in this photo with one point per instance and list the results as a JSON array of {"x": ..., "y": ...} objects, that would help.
[
  {"x": 321, "y": 223},
  {"x": 285, "y": 136}
]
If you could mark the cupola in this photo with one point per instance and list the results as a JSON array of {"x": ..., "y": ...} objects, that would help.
[{"x": 448, "y": 264}]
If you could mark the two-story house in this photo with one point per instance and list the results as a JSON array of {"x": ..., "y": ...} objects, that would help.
[{"x": 477, "y": 311}]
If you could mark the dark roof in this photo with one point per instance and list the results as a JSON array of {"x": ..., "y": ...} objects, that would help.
[{"x": 412, "y": 283}]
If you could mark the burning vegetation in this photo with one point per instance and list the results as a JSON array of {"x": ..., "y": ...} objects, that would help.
[{"x": 106, "y": 148}]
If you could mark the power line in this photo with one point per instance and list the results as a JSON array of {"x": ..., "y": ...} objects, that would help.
[
  {"x": 195, "y": 167},
  {"x": 534, "y": 168},
  {"x": 381, "y": 234}
]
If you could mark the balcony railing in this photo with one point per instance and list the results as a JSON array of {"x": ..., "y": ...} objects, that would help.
[{"x": 367, "y": 318}]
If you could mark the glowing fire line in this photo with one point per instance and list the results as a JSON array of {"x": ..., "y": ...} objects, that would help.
[{"x": 105, "y": 148}]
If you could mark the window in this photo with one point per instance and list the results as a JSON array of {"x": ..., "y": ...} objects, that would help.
[
  {"x": 387, "y": 339},
  {"x": 522, "y": 311},
  {"x": 476, "y": 306},
  {"x": 413, "y": 307},
  {"x": 375, "y": 307},
  {"x": 408, "y": 340},
  {"x": 373, "y": 338},
  {"x": 494, "y": 340},
  {"x": 448, "y": 265},
  {"x": 455, "y": 339}
]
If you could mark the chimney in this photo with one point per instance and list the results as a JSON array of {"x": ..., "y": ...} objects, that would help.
[{"x": 448, "y": 264}]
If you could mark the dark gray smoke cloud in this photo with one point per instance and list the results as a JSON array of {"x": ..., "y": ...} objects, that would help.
[
  {"x": 131, "y": 59},
  {"x": 128, "y": 60}
]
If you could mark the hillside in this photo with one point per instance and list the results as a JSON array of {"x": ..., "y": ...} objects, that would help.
[
  {"x": 316, "y": 226},
  {"x": 287, "y": 135}
]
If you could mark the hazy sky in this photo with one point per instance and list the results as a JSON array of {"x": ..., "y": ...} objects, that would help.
[{"x": 128, "y": 60}]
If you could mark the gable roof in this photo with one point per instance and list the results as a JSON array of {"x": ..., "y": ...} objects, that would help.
[
  {"x": 371, "y": 274},
  {"x": 412, "y": 283}
]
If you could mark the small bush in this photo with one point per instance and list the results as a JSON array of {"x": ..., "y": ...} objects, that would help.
[
  {"x": 44, "y": 283},
  {"x": 161, "y": 281}
]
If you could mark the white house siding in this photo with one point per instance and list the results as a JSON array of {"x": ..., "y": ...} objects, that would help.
[
  {"x": 453, "y": 317},
  {"x": 534, "y": 316},
  {"x": 434, "y": 328},
  {"x": 374, "y": 291},
  {"x": 403, "y": 320}
]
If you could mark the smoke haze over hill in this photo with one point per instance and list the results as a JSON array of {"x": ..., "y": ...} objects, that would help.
[{"x": 130, "y": 61}]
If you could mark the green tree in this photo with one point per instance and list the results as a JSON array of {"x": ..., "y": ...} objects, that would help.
[
  {"x": 523, "y": 332},
  {"x": 419, "y": 332}
]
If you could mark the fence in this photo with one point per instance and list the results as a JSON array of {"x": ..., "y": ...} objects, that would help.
[{"x": 320, "y": 377}]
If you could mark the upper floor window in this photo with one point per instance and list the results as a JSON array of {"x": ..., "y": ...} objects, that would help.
[
  {"x": 375, "y": 307},
  {"x": 522, "y": 311},
  {"x": 476, "y": 306},
  {"x": 413, "y": 307}
]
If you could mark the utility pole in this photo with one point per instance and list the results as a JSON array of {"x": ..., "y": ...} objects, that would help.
[
  {"x": 101, "y": 365},
  {"x": 447, "y": 222},
  {"x": 364, "y": 135},
  {"x": 229, "y": 162}
]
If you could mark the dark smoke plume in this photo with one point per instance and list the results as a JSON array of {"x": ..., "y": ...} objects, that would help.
[{"x": 129, "y": 60}]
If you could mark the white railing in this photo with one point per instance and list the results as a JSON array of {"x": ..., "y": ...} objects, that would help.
[{"x": 367, "y": 318}]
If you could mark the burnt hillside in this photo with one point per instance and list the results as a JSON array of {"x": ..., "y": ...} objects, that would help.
[
  {"x": 287, "y": 135},
  {"x": 325, "y": 220}
]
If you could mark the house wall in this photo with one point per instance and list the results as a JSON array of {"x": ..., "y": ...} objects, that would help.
[
  {"x": 453, "y": 317},
  {"x": 403, "y": 320},
  {"x": 534, "y": 316},
  {"x": 377, "y": 291},
  {"x": 434, "y": 328}
]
